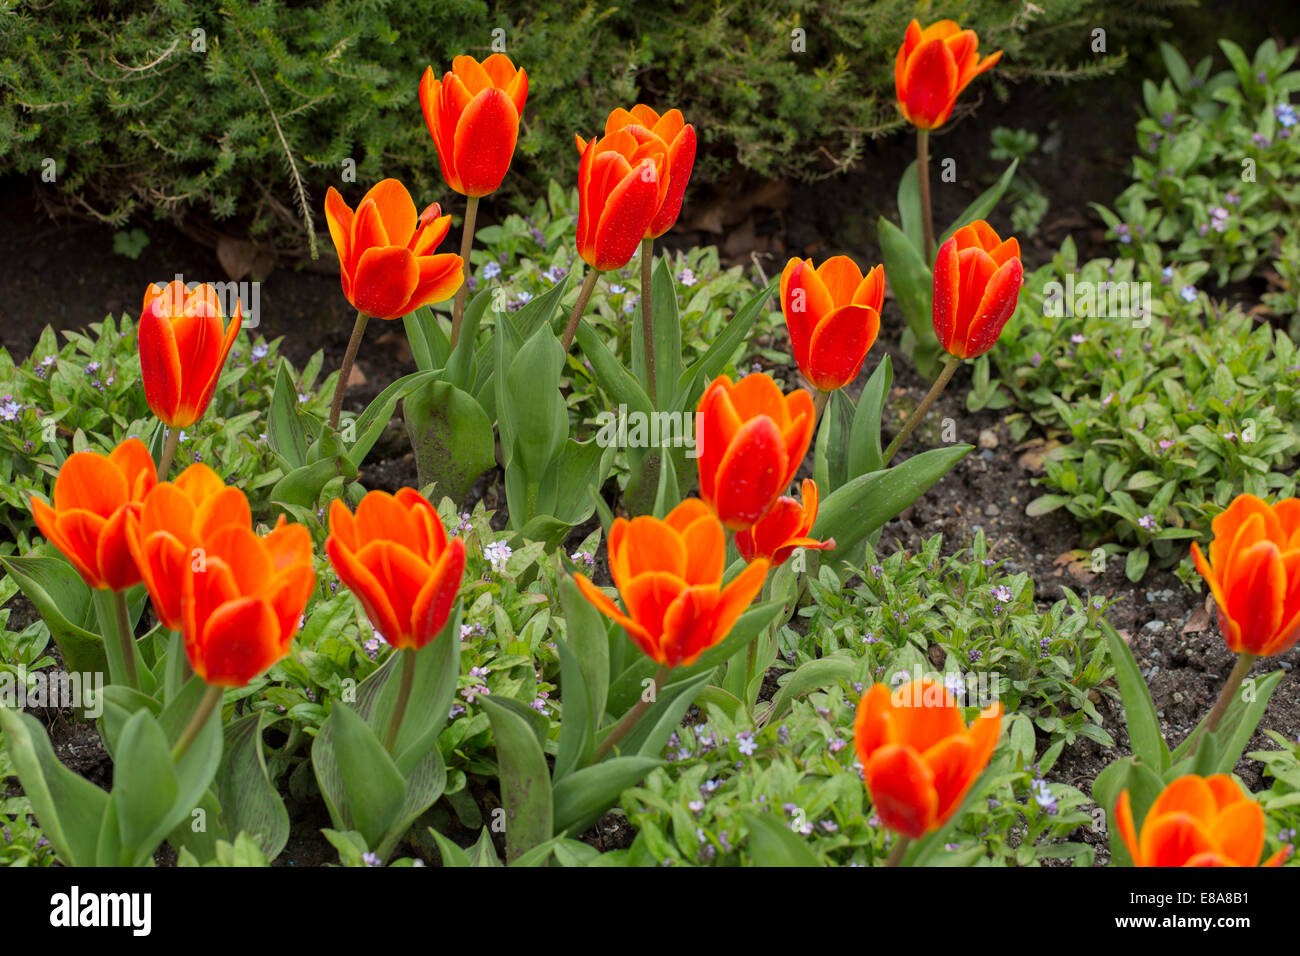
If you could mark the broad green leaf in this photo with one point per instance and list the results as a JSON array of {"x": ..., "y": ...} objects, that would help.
[
  {"x": 525, "y": 780},
  {"x": 584, "y": 795},
  {"x": 451, "y": 436}
]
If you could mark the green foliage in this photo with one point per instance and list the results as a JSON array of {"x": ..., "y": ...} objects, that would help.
[
  {"x": 1212, "y": 180},
  {"x": 1160, "y": 419},
  {"x": 247, "y": 122}
]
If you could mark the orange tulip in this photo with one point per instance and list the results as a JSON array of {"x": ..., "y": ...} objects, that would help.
[
  {"x": 1254, "y": 574},
  {"x": 182, "y": 350},
  {"x": 784, "y": 528},
  {"x": 918, "y": 757},
  {"x": 1197, "y": 821},
  {"x": 622, "y": 183},
  {"x": 678, "y": 139},
  {"x": 241, "y": 604},
  {"x": 833, "y": 316},
  {"x": 669, "y": 574},
  {"x": 931, "y": 69},
  {"x": 751, "y": 440},
  {"x": 977, "y": 279},
  {"x": 93, "y": 496},
  {"x": 386, "y": 253},
  {"x": 395, "y": 557},
  {"x": 473, "y": 115},
  {"x": 166, "y": 537}
]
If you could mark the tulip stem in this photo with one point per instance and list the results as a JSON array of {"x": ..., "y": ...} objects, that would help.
[
  {"x": 647, "y": 322},
  {"x": 631, "y": 717},
  {"x": 588, "y": 286},
  {"x": 923, "y": 178},
  {"x": 211, "y": 698},
  {"x": 403, "y": 697},
  {"x": 819, "y": 405},
  {"x": 910, "y": 425},
  {"x": 170, "y": 444},
  {"x": 119, "y": 647},
  {"x": 345, "y": 370},
  {"x": 466, "y": 242},
  {"x": 899, "y": 849},
  {"x": 1230, "y": 688}
]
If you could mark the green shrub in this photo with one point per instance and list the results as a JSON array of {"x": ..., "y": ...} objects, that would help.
[
  {"x": 137, "y": 120},
  {"x": 1212, "y": 179},
  {"x": 1164, "y": 418}
]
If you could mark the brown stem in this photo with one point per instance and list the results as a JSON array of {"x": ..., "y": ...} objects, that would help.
[
  {"x": 588, "y": 286},
  {"x": 647, "y": 323},
  {"x": 900, "y": 848},
  {"x": 466, "y": 242},
  {"x": 630, "y": 718},
  {"x": 345, "y": 370},
  {"x": 819, "y": 405},
  {"x": 170, "y": 444},
  {"x": 1230, "y": 688},
  {"x": 923, "y": 178},
  {"x": 935, "y": 391}
]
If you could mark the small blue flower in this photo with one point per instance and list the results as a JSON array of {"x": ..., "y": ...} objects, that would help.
[
  {"x": 491, "y": 270},
  {"x": 1285, "y": 114},
  {"x": 1188, "y": 293}
]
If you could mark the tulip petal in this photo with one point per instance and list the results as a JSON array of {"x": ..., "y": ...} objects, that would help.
[
  {"x": 839, "y": 346},
  {"x": 240, "y": 641},
  {"x": 485, "y": 141},
  {"x": 384, "y": 280},
  {"x": 902, "y": 789}
]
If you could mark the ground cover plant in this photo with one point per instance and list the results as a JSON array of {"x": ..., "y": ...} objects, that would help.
[{"x": 642, "y": 598}]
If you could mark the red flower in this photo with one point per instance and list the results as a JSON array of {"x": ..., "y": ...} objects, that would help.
[
  {"x": 395, "y": 557},
  {"x": 622, "y": 183},
  {"x": 669, "y": 574},
  {"x": 977, "y": 279},
  {"x": 918, "y": 757},
  {"x": 386, "y": 254},
  {"x": 833, "y": 316},
  {"x": 678, "y": 139},
  {"x": 473, "y": 115},
  {"x": 93, "y": 496},
  {"x": 182, "y": 350},
  {"x": 784, "y": 528},
  {"x": 931, "y": 69},
  {"x": 752, "y": 440}
]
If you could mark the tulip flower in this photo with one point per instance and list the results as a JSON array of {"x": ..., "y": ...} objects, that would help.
[
  {"x": 677, "y": 139},
  {"x": 1197, "y": 821},
  {"x": 1253, "y": 571},
  {"x": 167, "y": 535},
  {"x": 182, "y": 350},
  {"x": 669, "y": 575},
  {"x": 783, "y": 529},
  {"x": 386, "y": 252},
  {"x": 387, "y": 261},
  {"x": 94, "y": 495},
  {"x": 473, "y": 115},
  {"x": 241, "y": 603},
  {"x": 919, "y": 759},
  {"x": 977, "y": 279},
  {"x": 751, "y": 440},
  {"x": 931, "y": 69},
  {"x": 622, "y": 183},
  {"x": 1254, "y": 574},
  {"x": 395, "y": 557},
  {"x": 833, "y": 317}
]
